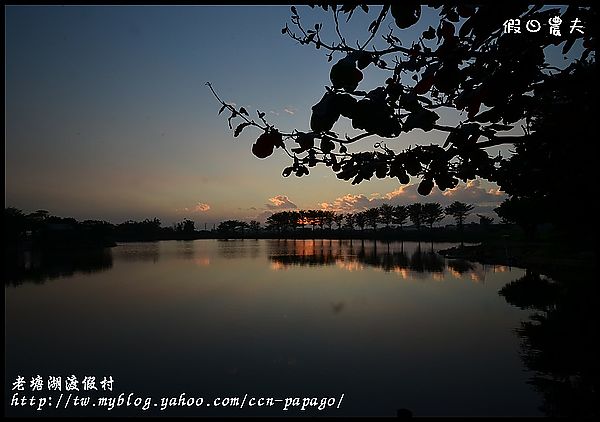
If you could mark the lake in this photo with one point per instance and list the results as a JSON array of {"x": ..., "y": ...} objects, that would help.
[{"x": 388, "y": 325}]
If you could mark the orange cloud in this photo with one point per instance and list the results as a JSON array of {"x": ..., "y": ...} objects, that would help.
[
  {"x": 347, "y": 202},
  {"x": 280, "y": 202},
  {"x": 201, "y": 207}
]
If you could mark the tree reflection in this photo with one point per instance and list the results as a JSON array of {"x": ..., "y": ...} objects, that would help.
[
  {"x": 560, "y": 341},
  {"x": 41, "y": 266},
  {"x": 388, "y": 256}
]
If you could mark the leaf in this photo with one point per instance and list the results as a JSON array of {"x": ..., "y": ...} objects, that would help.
[
  {"x": 365, "y": 8},
  {"x": 222, "y": 108},
  {"x": 452, "y": 16},
  {"x": 287, "y": 171},
  {"x": 284, "y": 30},
  {"x": 405, "y": 13},
  {"x": 372, "y": 26},
  {"x": 429, "y": 34},
  {"x": 243, "y": 111},
  {"x": 239, "y": 129},
  {"x": 327, "y": 145},
  {"x": 294, "y": 11},
  {"x": 260, "y": 114}
]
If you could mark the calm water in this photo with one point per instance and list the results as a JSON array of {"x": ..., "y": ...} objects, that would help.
[{"x": 388, "y": 325}]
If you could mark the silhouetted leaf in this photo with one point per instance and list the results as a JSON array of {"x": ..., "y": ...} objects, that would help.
[
  {"x": 327, "y": 145},
  {"x": 243, "y": 111},
  {"x": 239, "y": 129},
  {"x": 294, "y": 11},
  {"x": 405, "y": 13},
  {"x": 345, "y": 75},
  {"x": 425, "y": 187},
  {"x": 364, "y": 59},
  {"x": 222, "y": 108},
  {"x": 372, "y": 26},
  {"x": 452, "y": 16},
  {"x": 429, "y": 34},
  {"x": 287, "y": 171}
]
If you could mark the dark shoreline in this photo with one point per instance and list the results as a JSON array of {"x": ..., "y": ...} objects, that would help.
[{"x": 542, "y": 257}]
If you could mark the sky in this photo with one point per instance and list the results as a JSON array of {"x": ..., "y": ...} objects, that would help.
[{"x": 108, "y": 116}]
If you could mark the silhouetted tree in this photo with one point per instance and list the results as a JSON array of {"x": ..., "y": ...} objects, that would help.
[
  {"x": 360, "y": 219},
  {"x": 328, "y": 217},
  {"x": 459, "y": 211},
  {"x": 372, "y": 217},
  {"x": 386, "y": 214},
  {"x": 254, "y": 226},
  {"x": 312, "y": 218},
  {"x": 485, "y": 220},
  {"x": 232, "y": 226},
  {"x": 185, "y": 226},
  {"x": 525, "y": 212},
  {"x": 465, "y": 62},
  {"x": 320, "y": 216},
  {"x": 338, "y": 218},
  {"x": 415, "y": 213},
  {"x": 553, "y": 167},
  {"x": 15, "y": 225},
  {"x": 303, "y": 218},
  {"x": 400, "y": 215},
  {"x": 432, "y": 213},
  {"x": 349, "y": 219}
]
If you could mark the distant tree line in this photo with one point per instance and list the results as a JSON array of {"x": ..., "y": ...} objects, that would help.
[
  {"x": 41, "y": 229},
  {"x": 386, "y": 215}
]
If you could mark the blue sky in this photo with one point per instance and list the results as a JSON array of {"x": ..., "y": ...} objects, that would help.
[{"x": 108, "y": 117}]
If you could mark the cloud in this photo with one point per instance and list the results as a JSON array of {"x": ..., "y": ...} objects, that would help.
[
  {"x": 199, "y": 207},
  {"x": 274, "y": 112},
  {"x": 290, "y": 110},
  {"x": 473, "y": 192},
  {"x": 280, "y": 202},
  {"x": 261, "y": 217},
  {"x": 348, "y": 203},
  {"x": 485, "y": 200}
]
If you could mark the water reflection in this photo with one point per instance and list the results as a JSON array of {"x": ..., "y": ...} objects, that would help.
[
  {"x": 286, "y": 318},
  {"x": 560, "y": 341},
  {"x": 138, "y": 251},
  {"x": 238, "y": 248},
  {"x": 40, "y": 266},
  {"x": 407, "y": 259}
]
